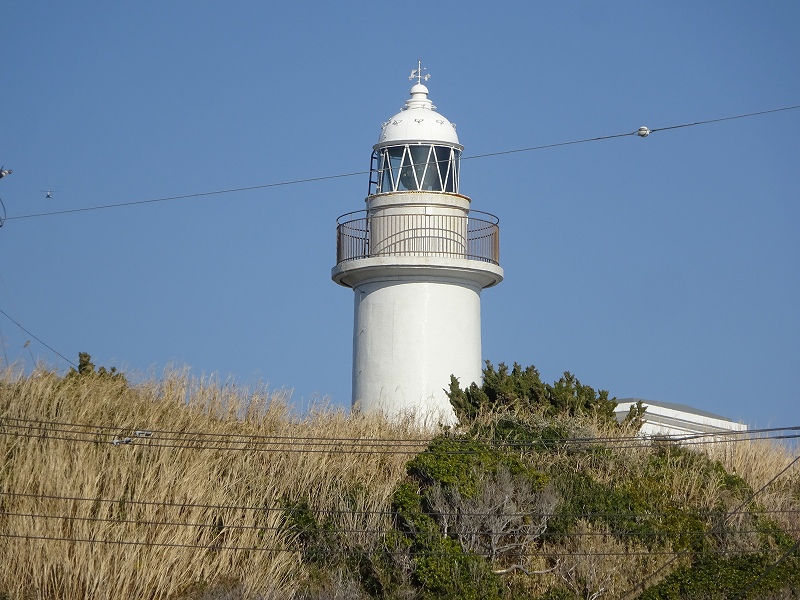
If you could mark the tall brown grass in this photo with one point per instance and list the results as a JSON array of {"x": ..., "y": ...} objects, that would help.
[
  {"x": 173, "y": 514},
  {"x": 196, "y": 509}
]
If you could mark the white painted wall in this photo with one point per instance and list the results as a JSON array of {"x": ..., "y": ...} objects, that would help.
[
  {"x": 675, "y": 420},
  {"x": 411, "y": 334}
]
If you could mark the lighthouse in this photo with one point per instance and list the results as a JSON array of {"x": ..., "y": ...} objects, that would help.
[{"x": 417, "y": 258}]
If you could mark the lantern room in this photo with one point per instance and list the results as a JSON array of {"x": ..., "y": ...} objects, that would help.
[{"x": 418, "y": 150}]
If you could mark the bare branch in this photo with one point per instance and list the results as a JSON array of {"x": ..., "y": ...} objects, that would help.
[{"x": 526, "y": 571}]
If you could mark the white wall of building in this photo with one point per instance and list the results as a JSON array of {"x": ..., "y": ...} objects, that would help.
[
  {"x": 410, "y": 336},
  {"x": 676, "y": 420}
]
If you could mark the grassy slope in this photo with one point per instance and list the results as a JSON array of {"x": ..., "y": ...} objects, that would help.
[
  {"x": 204, "y": 498},
  {"x": 206, "y": 481}
]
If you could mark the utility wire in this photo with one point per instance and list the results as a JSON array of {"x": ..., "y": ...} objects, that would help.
[
  {"x": 212, "y": 545},
  {"x": 640, "y": 585},
  {"x": 185, "y": 196},
  {"x": 356, "y": 446},
  {"x": 618, "y": 135},
  {"x": 218, "y": 437},
  {"x": 762, "y": 112},
  {"x": 27, "y": 343},
  {"x": 547, "y": 146},
  {"x": 767, "y": 571},
  {"x": 342, "y": 175},
  {"x": 36, "y": 423},
  {"x": 334, "y": 511},
  {"x": 218, "y": 523},
  {"x": 313, "y": 445},
  {"x": 37, "y": 339}
]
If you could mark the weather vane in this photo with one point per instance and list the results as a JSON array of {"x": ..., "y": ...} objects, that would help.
[{"x": 418, "y": 73}]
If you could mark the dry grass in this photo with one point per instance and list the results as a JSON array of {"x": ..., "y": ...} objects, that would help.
[
  {"x": 758, "y": 462},
  {"x": 175, "y": 514},
  {"x": 195, "y": 510}
]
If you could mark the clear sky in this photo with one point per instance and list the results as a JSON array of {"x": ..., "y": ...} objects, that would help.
[{"x": 664, "y": 268}]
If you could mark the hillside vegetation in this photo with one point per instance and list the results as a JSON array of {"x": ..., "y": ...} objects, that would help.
[{"x": 181, "y": 488}]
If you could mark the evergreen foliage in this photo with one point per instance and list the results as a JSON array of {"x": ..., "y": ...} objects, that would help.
[
  {"x": 718, "y": 577},
  {"x": 86, "y": 368},
  {"x": 522, "y": 391}
]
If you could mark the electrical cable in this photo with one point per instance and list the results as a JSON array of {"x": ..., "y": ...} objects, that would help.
[
  {"x": 684, "y": 553},
  {"x": 355, "y": 445},
  {"x": 383, "y": 532},
  {"x": 213, "y": 546},
  {"x": 618, "y": 135},
  {"x": 37, "y": 423},
  {"x": 37, "y": 339},
  {"x": 220, "y": 437},
  {"x": 333, "y": 511},
  {"x": 576, "y": 440},
  {"x": 547, "y": 146},
  {"x": 762, "y": 112},
  {"x": 186, "y": 196},
  {"x": 342, "y": 175},
  {"x": 281, "y": 447},
  {"x": 768, "y": 570}
]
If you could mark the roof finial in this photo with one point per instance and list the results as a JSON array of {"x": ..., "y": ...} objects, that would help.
[{"x": 418, "y": 73}]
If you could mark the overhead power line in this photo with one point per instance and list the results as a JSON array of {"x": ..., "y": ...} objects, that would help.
[
  {"x": 167, "y": 433},
  {"x": 350, "y": 448},
  {"x": 185, "y": 196},
  {"x": 36, "y": 338},
  {"x": 198, "y": 440},
  {"x": 216, "y": 523},
  {"x": 767, "y": 571},
  {"x": 640, "y": 132},
  {"x": 640, "y": 585},
  {"x": 263, "y": 508},
  {"x": 214, "y": 545}
]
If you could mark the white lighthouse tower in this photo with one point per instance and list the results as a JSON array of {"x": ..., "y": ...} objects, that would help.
[{"x": 417, "y": 259}]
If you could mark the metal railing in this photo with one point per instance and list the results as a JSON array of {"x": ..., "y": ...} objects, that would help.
[{"x": 418, "y": 235}]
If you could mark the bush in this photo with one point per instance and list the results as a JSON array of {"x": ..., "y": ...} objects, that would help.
[
  {"x": 441, "y": 568},
  {"x": 716, "y": 577},
  {"x": 86, "y": 368},
  {"x": 522, "y": 391}
]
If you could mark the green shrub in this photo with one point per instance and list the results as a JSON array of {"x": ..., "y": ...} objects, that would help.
[
  {"x": 460, "y": 462},
  {"x": 717, "y": 577},
  {"x": 441, "y": 567},
  {"x": 522, "y": 391},
  {"x": 86, "y": 368}
]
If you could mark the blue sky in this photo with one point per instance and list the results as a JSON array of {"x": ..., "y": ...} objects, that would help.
[{"x": 664, "y": 268}]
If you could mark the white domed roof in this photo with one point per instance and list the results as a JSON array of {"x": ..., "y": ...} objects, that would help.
[{"x": 417, "y": 121}]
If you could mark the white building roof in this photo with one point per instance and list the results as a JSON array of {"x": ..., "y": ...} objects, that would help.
[
  {"x": 670, "y": 419},
  {"x": 417, "y": 121}
]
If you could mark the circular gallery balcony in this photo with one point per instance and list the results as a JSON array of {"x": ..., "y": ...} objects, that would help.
[{"x": 420, "y": 235}]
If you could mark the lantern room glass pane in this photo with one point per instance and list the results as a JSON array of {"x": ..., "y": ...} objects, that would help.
[
  {"x": 427, "y": 174},
  {"x": 443, "y": 162},
  {"x": 418, "y": 167},
  {"x": 408, "y": 179},
  {"x": 395, "y": 158},
  {"x": 456, "y": 169}
]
